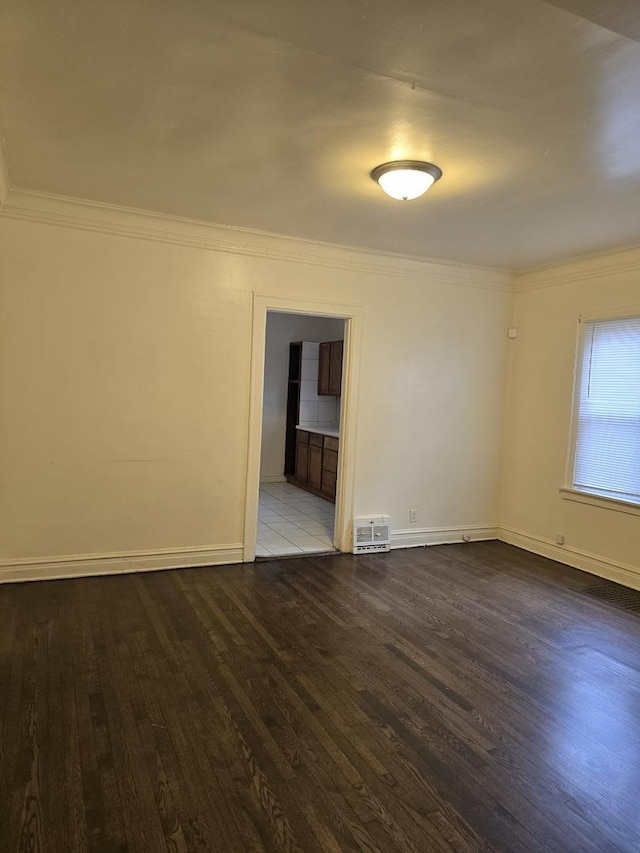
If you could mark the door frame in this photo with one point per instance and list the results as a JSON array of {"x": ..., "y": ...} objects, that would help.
[{"x": 353, "y": 315}]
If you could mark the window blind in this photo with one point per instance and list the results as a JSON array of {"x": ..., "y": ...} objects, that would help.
[{"x": 607, "y": 459}]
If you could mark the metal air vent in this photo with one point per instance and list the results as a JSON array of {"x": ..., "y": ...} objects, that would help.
[
  {"x": 620, "y": 596},
  {"x": 371, "y": 535}
]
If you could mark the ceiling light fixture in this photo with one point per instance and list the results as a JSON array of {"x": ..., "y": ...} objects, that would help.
[{"x": 406, "y": 179}]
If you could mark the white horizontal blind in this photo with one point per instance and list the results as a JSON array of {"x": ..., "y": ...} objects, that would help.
[{"x": 607, "y": 460}]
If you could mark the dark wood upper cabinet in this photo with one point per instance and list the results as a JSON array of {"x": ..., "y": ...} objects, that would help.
[
  {"x": 330, "y": 369},
  {"x": 335, "y": 369},
  {"x": 324, "y": 369}
]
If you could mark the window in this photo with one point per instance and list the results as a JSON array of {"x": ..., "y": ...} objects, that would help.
[{"x": 607, "y": 415}]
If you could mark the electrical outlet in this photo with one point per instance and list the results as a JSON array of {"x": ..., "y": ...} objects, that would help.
[
  {"x": 559, "y": 539},
  {"x": 413, "y": 515}
]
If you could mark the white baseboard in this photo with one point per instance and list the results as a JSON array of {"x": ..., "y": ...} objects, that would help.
[
  {"x": 413, "y": 538},
  {"x": 273, "y": 478},
  {"x": 592, "y": 563},
  {"x": 83, "y": 565}
]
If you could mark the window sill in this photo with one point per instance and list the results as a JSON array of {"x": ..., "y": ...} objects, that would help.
[{"x": 615, "y": 504}]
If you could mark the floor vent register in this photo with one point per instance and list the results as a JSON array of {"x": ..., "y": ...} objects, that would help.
[{"x": 619, "y": 596}]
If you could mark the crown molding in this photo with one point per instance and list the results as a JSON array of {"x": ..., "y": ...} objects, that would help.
[
  {"x": 49, "y": 209},
  {"x": 618, "y": 261},
  {"x": 5, "y": 182},
  {"x": 82, "y": 214}
]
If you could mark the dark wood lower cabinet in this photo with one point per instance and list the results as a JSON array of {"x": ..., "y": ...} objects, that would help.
[
  {"x": 316, "y": 463},
  {"x": 302, "y": 461},
  {"x": 315, "y": 466},
  {"x": 328, "y": 485}
]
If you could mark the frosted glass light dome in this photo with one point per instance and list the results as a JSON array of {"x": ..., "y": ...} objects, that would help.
[{"x": 406, "y": 179}]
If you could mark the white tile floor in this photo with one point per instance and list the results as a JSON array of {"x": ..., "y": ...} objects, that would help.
[{"x": 292, "y": 521}]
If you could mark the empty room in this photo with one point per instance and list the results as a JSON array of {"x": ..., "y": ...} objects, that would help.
[{"x": 319, "y": 426}]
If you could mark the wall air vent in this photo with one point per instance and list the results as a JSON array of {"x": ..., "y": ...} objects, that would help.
[{"x": 371, "y": 535}]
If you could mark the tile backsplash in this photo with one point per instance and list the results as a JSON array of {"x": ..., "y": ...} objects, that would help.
[{"x": 323, "y": 411}]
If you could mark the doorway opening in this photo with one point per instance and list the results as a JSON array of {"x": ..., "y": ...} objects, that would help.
[
  {"x": 352, "y": 317},
  {"x": 300, "y": 436}
]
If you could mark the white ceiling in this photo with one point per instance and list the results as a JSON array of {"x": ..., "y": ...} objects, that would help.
[{"x": 270, "y": 115}]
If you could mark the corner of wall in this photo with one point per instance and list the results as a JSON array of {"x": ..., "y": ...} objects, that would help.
[
  {"x": 508, "y": 389},
  {"x": 5, "y": 182},
  {"x": 594, "y": 564},
  {"x": 546, "y": 304}
]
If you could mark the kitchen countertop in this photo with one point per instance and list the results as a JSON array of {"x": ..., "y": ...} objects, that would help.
[{"x": 332, "y": 431}]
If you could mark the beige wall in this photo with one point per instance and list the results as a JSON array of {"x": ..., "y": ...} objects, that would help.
[
  {"x": 283, "y": 329},
  {"x": 125, "y": 376},
  {"x": 125, "y": 353},
  {"x": 533, "y": 511}
]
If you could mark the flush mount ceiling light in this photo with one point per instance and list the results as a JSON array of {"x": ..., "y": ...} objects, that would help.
[{"x": 406, "y": 179}]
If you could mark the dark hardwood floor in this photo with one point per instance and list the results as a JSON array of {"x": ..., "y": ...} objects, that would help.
[{"x": 456, "y": 698}]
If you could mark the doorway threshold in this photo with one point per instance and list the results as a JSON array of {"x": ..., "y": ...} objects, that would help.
[
  {"x": 293, "y": 522},
  {"x": 273, "y": 557}
]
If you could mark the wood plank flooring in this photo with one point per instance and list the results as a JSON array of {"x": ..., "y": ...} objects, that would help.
[{"x": 456, "y": 698}]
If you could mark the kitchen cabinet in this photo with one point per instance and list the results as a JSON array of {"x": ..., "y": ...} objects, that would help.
[
  {"x": 324, "y": 369},
  {"x": 314, "y": 474},
  {"x": 329, "y": 381},
  {"x": 329, "y": 465},
  {"x": 293, "y": 410},
  {"x": 330, "y": 369},
  {"x": 316, "y": 465},
  {"x": 302, "y": 458},
  {"x": 335, "y": 368}
]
